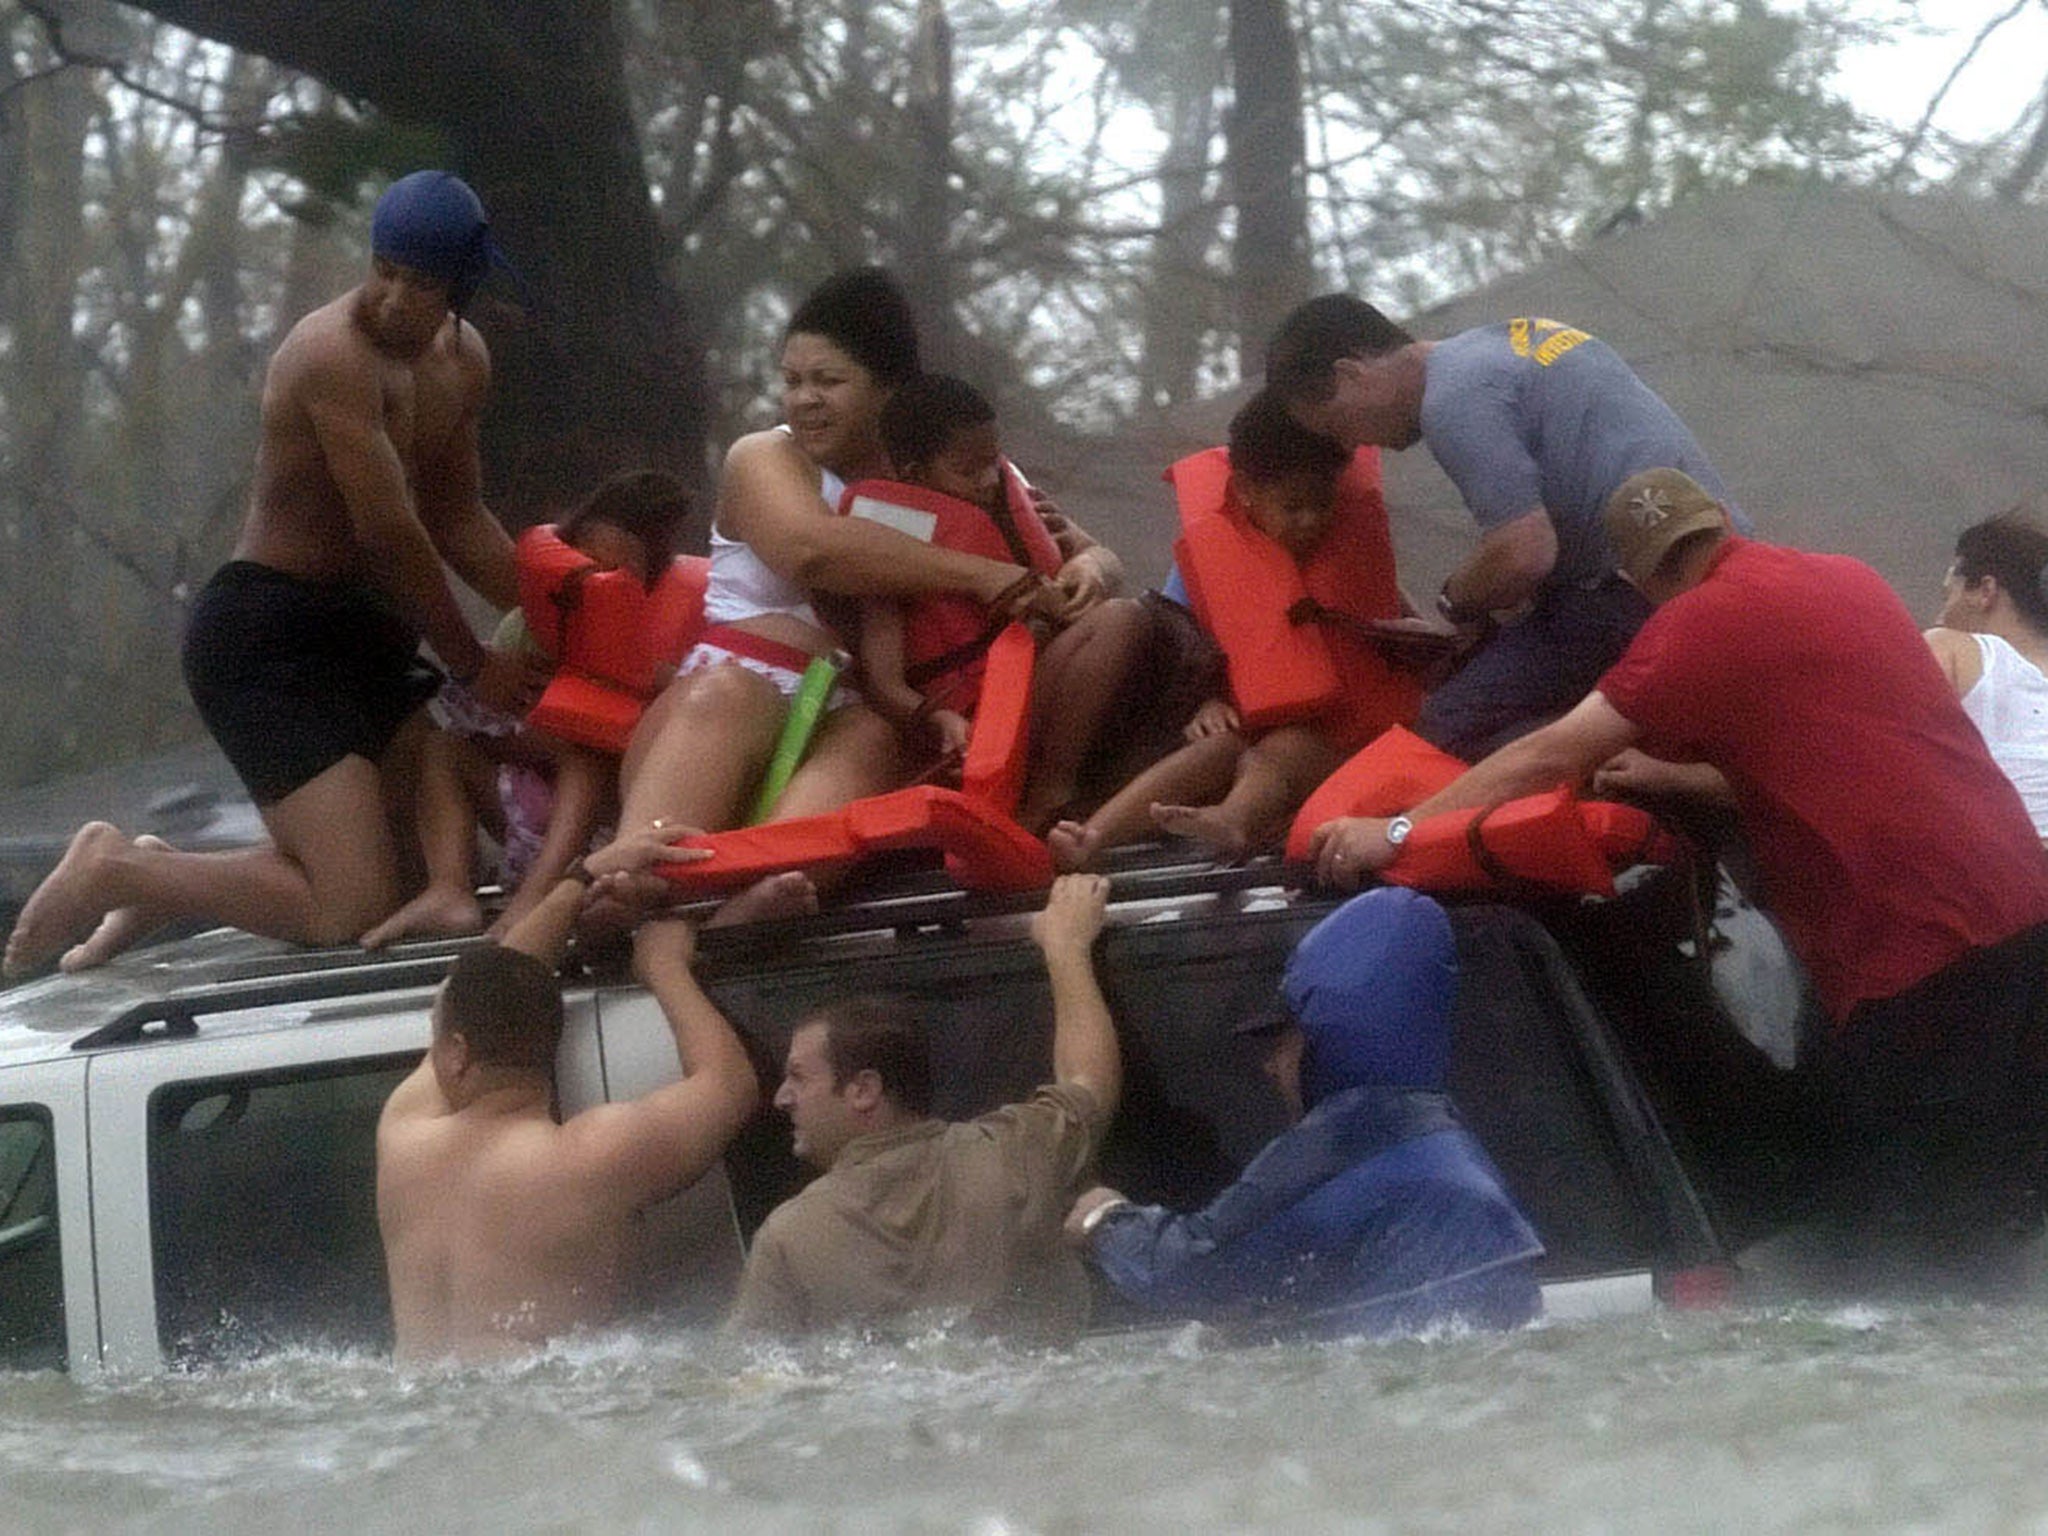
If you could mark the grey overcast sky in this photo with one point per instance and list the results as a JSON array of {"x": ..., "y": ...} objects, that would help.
[{"x": 1992, "y": 92}]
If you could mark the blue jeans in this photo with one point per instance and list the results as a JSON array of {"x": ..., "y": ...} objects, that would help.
[{"x": 1534, "y": 669}]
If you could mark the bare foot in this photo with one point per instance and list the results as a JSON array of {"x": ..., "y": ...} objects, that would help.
[
  {"x": 1074, "y": 845},
  {"x": 118, "y": 929},
  {"x": 789, "y": 894},
  {"x": 1206, "y": 825},
  {"x": 437, "y": 912},
  {"x": 70, "y": 900},
  {"x": 1041, "y": 805},
  {"x": 621, "y": 901}
]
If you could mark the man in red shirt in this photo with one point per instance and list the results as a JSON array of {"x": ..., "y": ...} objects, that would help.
[{"x": 1898, "y": 859}]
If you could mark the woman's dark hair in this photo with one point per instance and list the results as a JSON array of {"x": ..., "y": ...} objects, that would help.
[
  {"x": 1301, "y": 360},
  {"x": 650, "y": 505},
  {"x": 879, "y": 1034},
  {"x": 506, "y": 1005},
  {"x": 2013, "y": 549},
  {"x": 1267, "y": 444},
  {"x": 926, "y": 414},
  {"x": 862, "y": 311}
]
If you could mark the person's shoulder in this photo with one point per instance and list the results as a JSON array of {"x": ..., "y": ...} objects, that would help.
[
  {"x": 1064, "y": 1103},
  {"x": 769, "y": 445},
  {"x": 470, "y": 354},
  {"x": 325, "y": 351}
]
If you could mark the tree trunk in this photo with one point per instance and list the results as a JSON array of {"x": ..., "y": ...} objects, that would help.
[
  {"x": 44, "y": 397},
  {"x": 927, "y": 269},
  {"x": 604, "y": 371},
  {"x": 1182, "y": 296},
  {"x": 1265, "y": 149}
]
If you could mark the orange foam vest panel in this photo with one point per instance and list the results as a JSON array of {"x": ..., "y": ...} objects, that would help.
[
  {"x": 610, "y": 642},
  {"x": 1552, "y": 841},
  {"x": 1394, "y": 771},
  {"x": 985, "y": 850},
  {"x": 999, "y": 737}
]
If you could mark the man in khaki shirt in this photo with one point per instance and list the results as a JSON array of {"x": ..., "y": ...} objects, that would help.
[{"x": 914, "y": 1214}]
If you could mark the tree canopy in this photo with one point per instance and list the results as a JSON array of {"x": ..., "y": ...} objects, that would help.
[{"x": 1101, "y": 208}]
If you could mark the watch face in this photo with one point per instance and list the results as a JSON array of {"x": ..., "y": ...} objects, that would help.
[{"x": 1398, "y": 830}]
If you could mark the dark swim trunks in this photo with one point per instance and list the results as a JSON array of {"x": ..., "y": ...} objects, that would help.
[{"x": 291, "y": 676}]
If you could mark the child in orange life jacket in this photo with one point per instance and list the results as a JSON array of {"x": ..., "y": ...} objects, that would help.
[
  {"x": 1225, "y": 787},
  {"x": 542, "y": 799},
  {"x": 940, "y": 435}
]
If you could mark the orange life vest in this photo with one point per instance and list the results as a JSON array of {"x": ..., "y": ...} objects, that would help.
[
  {"x": 1243, "y": 586},
  {"x": 609, "y": 635},
  {"x": 942, "y": 625},
  {"x": 1550, "y": 842}
]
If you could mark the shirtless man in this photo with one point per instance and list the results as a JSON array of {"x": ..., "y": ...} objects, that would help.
[
  {"x": 301, "y": 651},
  {"x": 503, "y": 1228}
]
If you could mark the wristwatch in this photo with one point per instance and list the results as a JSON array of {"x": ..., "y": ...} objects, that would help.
[
  {"x": 1094, "y": 1218},
  {"x": 1398, "y": 830}
]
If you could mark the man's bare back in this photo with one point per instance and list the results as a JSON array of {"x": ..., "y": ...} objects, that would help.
[{"x": 504, "y": 1229}]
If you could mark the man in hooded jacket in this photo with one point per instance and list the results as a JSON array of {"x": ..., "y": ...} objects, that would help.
[{"x": 1377, "y": 1212}]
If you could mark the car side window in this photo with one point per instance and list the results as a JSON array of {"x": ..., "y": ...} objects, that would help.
[
  {"x": 31, "y": 1272},
  {"x": 263, "y": 1210}
]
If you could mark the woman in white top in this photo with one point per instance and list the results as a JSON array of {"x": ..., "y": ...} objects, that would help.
[
  {"x": 700, "y": 748},
  {"x": 1992, "y": 639}
]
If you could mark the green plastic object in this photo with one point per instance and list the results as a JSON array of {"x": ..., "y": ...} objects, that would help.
[{"x": 805, "y": 711}]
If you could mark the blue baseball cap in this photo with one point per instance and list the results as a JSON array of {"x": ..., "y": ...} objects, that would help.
[{"x": 433, "y": 223}]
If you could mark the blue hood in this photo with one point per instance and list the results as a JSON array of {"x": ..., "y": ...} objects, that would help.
[{"x": 1371, "y": 987}]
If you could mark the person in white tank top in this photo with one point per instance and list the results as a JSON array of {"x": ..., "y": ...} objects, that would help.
[
  {"x": 701, "y": 746},
  {"x": 1992, "y": 640}
]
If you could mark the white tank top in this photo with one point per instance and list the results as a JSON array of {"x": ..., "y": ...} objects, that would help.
[
  {"x": 2009, "y": 704},
  {"x": 742, "y": 586}
]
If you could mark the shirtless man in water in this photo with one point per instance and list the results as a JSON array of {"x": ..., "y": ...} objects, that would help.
[
  {"x": 504, "y": 1228},
  {"x": 301, "y": 653}
]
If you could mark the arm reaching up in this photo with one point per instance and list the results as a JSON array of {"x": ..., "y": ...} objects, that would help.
[{"x": 1084, "y": 1044}]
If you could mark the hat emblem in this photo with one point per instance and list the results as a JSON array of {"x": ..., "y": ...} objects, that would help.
[{"x": 1649, "y": 506}]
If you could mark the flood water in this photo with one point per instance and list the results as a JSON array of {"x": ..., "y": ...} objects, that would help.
[{"x": 1801, "y": 1419}]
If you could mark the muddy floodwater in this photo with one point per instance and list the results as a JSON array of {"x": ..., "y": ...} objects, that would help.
[{"x": 1856, "y": 1418}]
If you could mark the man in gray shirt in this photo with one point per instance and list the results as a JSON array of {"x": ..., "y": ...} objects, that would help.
[{"x": 1536, "y": 423}]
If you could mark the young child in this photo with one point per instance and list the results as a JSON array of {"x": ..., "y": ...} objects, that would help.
[
  {"x": 921, "y": 665},
  {"x": 542, "y": 799},
  {"x": 1225, "y": 787}
]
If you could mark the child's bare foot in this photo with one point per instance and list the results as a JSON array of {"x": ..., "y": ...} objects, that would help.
[
  {"x": 1206, "y": 824},
  {"x": 1074, "y": 845},
  {"x": 70, "y": 900},
  {"x": 789, "y": 894},
  {"x": 437, "y": 912},
  {"x": 118, "y": 929}
]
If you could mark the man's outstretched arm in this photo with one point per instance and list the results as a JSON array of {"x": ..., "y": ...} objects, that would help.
[
  {"x": 661, "y": 1142},
  {"x": 1084, "y": 1045}
]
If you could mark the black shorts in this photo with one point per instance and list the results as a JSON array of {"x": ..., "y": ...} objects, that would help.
[{"x": 291, "y": 676}]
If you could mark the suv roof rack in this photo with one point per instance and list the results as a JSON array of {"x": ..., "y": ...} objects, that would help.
[{"x": 177, "y": 1016}]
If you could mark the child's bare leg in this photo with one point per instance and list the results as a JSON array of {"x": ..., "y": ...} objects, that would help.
[
  {"x": 1200, "y": 770},
  {"x": 446, "y": 807},
  {"x": 1078, "y": 683},
  {"x": 1275, "y": 774},
  {"x": 583, "y": 781}
]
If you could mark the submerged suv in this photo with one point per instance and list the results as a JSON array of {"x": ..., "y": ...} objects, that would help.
[{"x": 187, "y": 1137}]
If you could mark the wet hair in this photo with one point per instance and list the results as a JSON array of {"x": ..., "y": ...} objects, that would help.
[
  {"x": 506, "y": 1005},
  {"x": 1301, "y": 360},
  {"x": 647, "y": 503},
  {"x": 926, "y": 414},
  {"x": 879, "y": 1034},
  {"x": 2012, "y": 548},
  {"x": 1267, "y": 444},
  {"x": 863, "y": 312}
]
